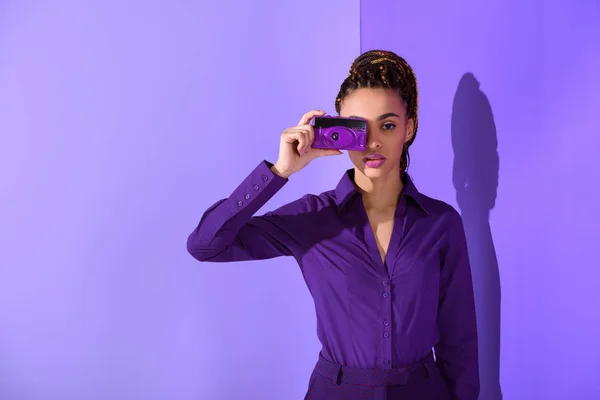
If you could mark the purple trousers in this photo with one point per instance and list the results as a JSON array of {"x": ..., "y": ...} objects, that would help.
[{"x": 421, "y": 381}]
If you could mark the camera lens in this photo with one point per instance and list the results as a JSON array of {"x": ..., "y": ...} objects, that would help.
[{"x": 335, "y": 136}]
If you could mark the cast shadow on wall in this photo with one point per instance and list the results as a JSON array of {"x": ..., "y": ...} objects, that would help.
[{"x": 475, "y": 177}]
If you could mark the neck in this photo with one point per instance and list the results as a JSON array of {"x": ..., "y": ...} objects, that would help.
[{"x": 379, "y": 193}]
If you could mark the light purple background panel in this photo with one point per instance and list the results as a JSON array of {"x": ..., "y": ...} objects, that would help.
[
  {"x": 121, "y": 122},
  {"x": 517, "y": 81}
]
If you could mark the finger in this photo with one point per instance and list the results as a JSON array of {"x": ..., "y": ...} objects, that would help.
[
  {"x": 310, "y": 131},
  {"x": 306, "y": 118},
  {"x": 327, "y": 152},
  {"x": 297, "y": 135},
  {"x": 291, "y": 135},
  {"x": 311, "y": 134},
  {"x": 302, "y": 143}
]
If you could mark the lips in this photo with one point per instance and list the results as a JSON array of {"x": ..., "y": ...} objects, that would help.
[
  {"x": 374, "y": 160},
  {"x": 373, "y": 157}
]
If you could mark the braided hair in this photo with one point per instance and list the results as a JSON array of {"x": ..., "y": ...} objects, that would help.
[{"x": 387, "y": 70}]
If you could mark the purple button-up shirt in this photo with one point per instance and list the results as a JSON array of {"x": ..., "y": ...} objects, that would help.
[{"x": 370, "y": 314}]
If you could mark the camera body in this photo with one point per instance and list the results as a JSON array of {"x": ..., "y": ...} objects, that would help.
[{"x": 340, "y": 133}]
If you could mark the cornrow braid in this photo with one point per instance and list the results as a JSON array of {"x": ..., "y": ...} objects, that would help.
[{"x": 384, "y": 69}]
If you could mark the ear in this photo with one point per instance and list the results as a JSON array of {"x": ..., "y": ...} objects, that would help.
[{"x": 410, "y": 129}]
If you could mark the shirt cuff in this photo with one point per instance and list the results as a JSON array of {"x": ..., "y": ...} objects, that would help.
[{"x": 258, "y": 188}]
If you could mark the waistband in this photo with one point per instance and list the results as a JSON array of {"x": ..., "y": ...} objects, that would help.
[{"x": 376, "y": 377}]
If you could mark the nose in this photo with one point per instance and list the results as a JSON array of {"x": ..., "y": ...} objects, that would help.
[{"x": 372, "y": 141}]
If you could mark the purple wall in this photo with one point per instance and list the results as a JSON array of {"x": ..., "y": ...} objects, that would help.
[
  {"x": 508, "y": 133},
  {"x": 121, "y": 123}
]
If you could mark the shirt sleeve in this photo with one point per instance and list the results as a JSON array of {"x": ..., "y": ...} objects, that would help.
[
  {"x": 457, "y": 350},
  {"x": 228, "y": 231}
]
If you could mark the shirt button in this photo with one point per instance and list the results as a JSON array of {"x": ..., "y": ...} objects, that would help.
[
  {"x": 240, "y": 203},
  {"x": 247, "y": 196},
  {"x": 386, "y": 335},
  {"x": 385, "y": 295},
  {"x": 256, "y": 188},
  {"x": 388, "y": 361},
  {"x": 265, "y": 178},
  {"x": 386, "y": 322},
  {"x": 385, "y": 283}
]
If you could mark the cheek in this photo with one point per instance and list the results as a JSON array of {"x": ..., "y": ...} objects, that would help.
[
  {"x": 400, "y": 140},
  {"x": 394, "y": 142},
  {"x": 355, "y": 155}
]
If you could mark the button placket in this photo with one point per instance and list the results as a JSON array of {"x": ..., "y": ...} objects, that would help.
[{"x": 386, "y": 325}]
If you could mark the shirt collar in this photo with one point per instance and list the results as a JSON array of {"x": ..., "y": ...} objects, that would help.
[{"x": 346, "y": 189}]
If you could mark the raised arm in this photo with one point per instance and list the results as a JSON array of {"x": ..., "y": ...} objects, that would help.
[
  {"x": 229, "y": 231},
  {"x": 457, "y": 350}
]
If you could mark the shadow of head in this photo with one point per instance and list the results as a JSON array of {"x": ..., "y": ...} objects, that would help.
[{"x": 475, "y": 145}]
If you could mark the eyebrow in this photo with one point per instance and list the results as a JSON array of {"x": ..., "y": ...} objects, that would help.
[{"x": 381, "y": 117}]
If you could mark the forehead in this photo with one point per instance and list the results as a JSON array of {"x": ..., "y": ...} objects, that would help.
[{"x": 371, "y": 103}]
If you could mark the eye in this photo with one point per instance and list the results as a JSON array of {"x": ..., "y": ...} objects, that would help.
[{"x": 388, "y": 126}]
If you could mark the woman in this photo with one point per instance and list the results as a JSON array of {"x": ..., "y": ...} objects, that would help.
[{"x": 386, "y": 265}]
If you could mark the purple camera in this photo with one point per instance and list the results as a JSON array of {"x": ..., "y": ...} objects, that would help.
[{"x": 340, "y": 133}]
